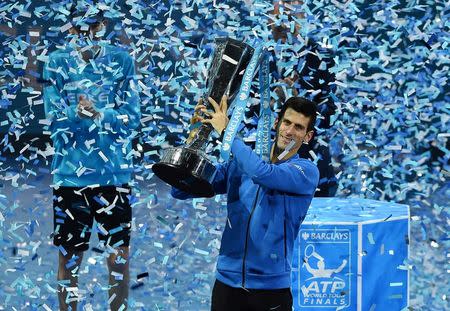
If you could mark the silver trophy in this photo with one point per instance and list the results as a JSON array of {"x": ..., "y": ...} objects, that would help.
[{"x": 188, "y": 168}]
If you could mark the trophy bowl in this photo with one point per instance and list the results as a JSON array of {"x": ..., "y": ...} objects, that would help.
[{"x": 188, "y": 170}]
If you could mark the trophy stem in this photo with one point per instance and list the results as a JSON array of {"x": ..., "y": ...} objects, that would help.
[{"x": 202, "y": 137}]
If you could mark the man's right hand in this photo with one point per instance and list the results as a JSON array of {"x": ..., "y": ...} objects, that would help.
[
  {"x": 196, "y": 117},
  {"x": 85, "y": 108}
]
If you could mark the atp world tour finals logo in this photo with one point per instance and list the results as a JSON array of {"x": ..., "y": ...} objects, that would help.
[{"x": 324, "y": 268}]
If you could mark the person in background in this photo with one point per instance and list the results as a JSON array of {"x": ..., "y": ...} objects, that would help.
[{"x": 93, "y": 107}]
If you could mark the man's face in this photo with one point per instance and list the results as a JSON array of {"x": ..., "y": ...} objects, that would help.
[{"x": 293, "y": 126}]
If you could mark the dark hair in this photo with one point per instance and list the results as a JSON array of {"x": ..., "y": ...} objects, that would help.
[{"x": 302, "y": 105}]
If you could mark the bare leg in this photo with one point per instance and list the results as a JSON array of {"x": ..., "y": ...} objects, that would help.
[
  {"x": 119, "y": 278},
  {"x": 65, "y": 267}
]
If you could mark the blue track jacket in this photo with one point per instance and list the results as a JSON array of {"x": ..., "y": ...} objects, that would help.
[
  {"x": 266, "y": 204},
  {"x": 87, "y": 151}
]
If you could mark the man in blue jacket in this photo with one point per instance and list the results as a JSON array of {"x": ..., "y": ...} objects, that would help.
[
  {"x": 93, "y": 109},
  {"x": 266, "y": 203}
]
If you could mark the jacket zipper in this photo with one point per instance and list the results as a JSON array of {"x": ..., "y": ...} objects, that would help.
[
  {"x": 285, "y": 248},
  {"x": 246, "y": 238},
  {"x": 284, "y": 223}
]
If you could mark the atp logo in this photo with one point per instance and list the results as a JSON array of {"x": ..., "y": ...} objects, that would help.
[{"x": 324, "y": 273}]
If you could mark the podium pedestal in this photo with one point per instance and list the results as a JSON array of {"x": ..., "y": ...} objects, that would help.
[{"x": 350, "y": 255}]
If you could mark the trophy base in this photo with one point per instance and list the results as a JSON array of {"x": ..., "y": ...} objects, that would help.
[{"x": 188, "y": 170}]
